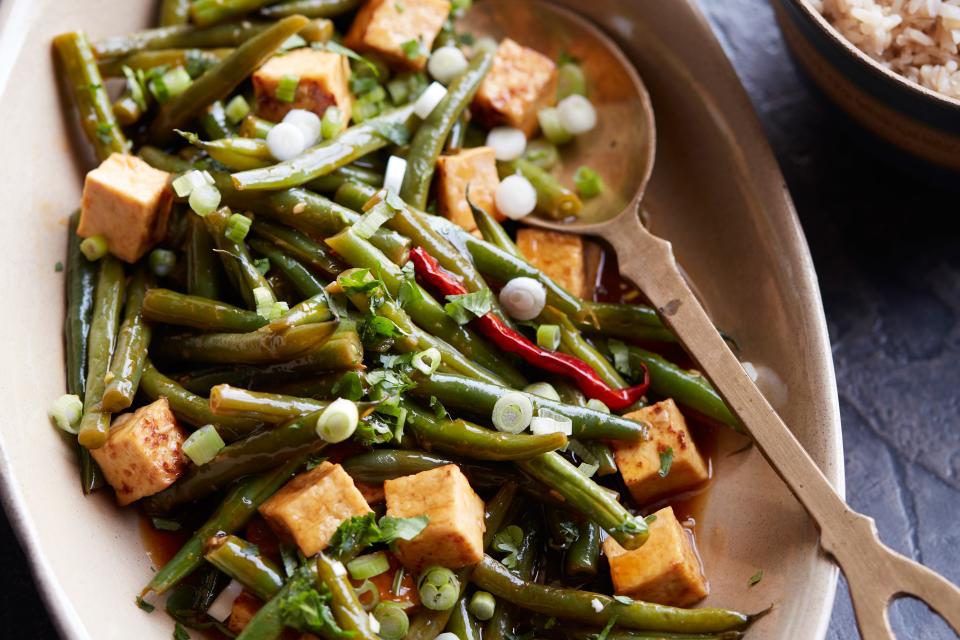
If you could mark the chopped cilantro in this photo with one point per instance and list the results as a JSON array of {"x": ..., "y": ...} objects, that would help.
[
  {"x": 58, "y": 267},
  {"x": 666, "y": 461},
  {"x": 179, "y": 633},
  {"x": 465, "y": 307},
  {"x": 755, "y": 578},
  {"x": 508, "y": 540}
]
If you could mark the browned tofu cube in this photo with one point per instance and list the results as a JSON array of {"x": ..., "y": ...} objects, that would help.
[
  {"x": 559, "y": 255},
  {"x": 475, "y": 168},
  {"x": 392, "y": 28},
  {"x": 309, "y": 508},
  {"x": 323, "y": 82},
  {"x": 520, "y": 84},
  {"x": 142, "y": 455},
  {"x": 665, "y": 570},
  {"x": 244, "y": 608},
  {"x": 126, "y": 201},
  {"x": 453, "y": 537},
  {"x": 639, "y": 462}
]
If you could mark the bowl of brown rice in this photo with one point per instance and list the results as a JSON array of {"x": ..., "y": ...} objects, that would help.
[{"x": 891, "y": 65}]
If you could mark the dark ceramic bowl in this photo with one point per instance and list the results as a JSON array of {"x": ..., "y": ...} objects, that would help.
[{"x": 919, "y": 121}]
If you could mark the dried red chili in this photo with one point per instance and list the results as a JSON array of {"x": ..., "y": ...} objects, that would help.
[{"x": 432, "y": 276}]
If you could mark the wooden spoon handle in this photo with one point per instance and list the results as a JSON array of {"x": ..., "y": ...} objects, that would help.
[{"x": 874, "y": 572}]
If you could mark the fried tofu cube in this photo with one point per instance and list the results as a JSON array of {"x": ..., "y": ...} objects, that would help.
[
  {"x": 402, "y": 31},
  {"x": 309, "y": 508},
  {"x": 474, "y": 168},
  {"x": 126, "y": 201},
  {"x": 323, "y": 82},
  {"x": 559, "y": 255},
  {"x": 453, "y": 537},
  {"x": 142, "y": 455},
  {"x": 520, "y": 83},
  {"x": 665, "y": 570},
  {"x": 244, "y": 608},
  {"x": 639, "y": 462}
]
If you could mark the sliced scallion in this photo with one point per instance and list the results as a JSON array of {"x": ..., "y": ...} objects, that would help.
[
  {"x": 368, "y": 566},
  {"x": 512, "y": 412},
  {"x": 66, "y": 412},
  {"x": 553, "y": 129},
  {"x": 338, "y": 421},
  {"x": 482, "y": 605},
  {"x": 204, "y": 199},
  {"x": 439, "y": 588},
  {"x": 331, "y": 123},
  {"x": 237, "y": 109},
  {"x": 588, "y": 182},
  {"x": 597, "y": 405},
  {"x": 544, "y": 390},
  {"x": 287, "y": 88},
  {"x": 203, "y": 445},
  {"x": 238, "y": 226},
  {"x": 394, "y": 622},
  {"x": 94, "y": 247},
  {"x": 548, "y": 336},
  {"x": 427, "y": 362}
]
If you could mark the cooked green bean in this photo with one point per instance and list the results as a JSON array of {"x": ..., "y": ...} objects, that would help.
[
  {"x": 170, "y": 307},
  {"x": 385, "y": 464},
  {"x": 323, "y": 158},
  {"x": 220, "y": 81},
  {"x": 584, "y": 552},
  {"x": 146, "y": 60},
  {"x": 174, "y": 12},
  {"x": 234, "y": 512},
  {"x": 267, "y": 407},
  {"x": 478, "y": 398},
  {"x": 191, "y": 37},
  {"x": 214, "y": 122},
  {"x": 236, "y": 260},
  {"x": 615, "y": 634},
  {"x": 623, "y": 321},
  {"x": 311, "y": 310},
  {"x": 493, "y": 232},
  {"x": 310, "y": 8},
  {"x": 299, "y": 246},
  {"x": 130, "y": 354},
  {"x": 243, "y": 562},
  {"x": 573, "y": 343},
  {"x": 457, "y": 134},
  {"x": 255, "y": 347},
  {"x": 193, "y": 409},
  {"x": 553, "y": 199},
  {"x": 208, "y": 12},
  {"x": 102, "y": 339},
  {"x": 688, "y": 388},
  {"x": 350, "y": 173},
  {"x": 432, "y": 134},
  {"x": 582, "y": 606},
  {"x": 462, "y": 623},
  {"x": 255, "y": 127},
  {"x": 203, "y": 274},
  {"x": 302, "y": 278},
  {"x": 501, "y": 625},
  {"x": 423, "y": 309},
  {"x": 587, "y": 497},
  {"x": 81, "y": 288},
  {"x": 235, "y": 153},
  {"x": 258, "y": 452},
  {"x": 346, "y": 606},
  {"x": 99, "y": 124}
]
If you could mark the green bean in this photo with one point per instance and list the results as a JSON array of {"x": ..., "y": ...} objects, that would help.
[
  {"x": 561, "y": 527},
  {"x": 174, "y": 12},
  {"x": 209, "y": 12},
  {"x": 266, "y": 407},
  {"x": 354, "y": 196},
  {"x": 267, "y": 623},
  {"x": 193, "y": 409},
  {"x": 616, "y": 634},
  {"x": 493, "y": 232},
  {"x": 357, "y": 141},
  {"x": 145, "y": 60},
  {"x": 243, "y": 562},
  {"x": 584, "y": 552},
  {"x": 501, "y": 265},
  {"x": 302, "y": 279},
  {"x": 221, "y": 80},
  {"x": 462, "y": 623},
  {"x": 574, "y": 344},
  {"x": 255, "y": 347},
  {"x": 310, "y": 311},
  {"x": 553, "y": 199},
  {"x": 272, "y": 377},
  {"x": 255, "y": 127},
  {"x": 478, "y": 398},
  {"x": 623, "y": 321},
  {"x": 428, "y": 624},
  {"x": 604, "y": 457},
  {"x": 350, "y": 173},
  {"x": 574, "y": 604},
  {"x": 587, "y": 497},
  {"x": 111, "y": 282},
  {"x": 465, "y": 438},
  {"x": 432, "y": 134},
  {"x": 423, "y": 309},
  {"x": 346, "y": 606},
  {"x": 130, "y": 354},
  {"x": 203, "y": 275},
  {"x": 501, "y": 625},
  {"x": 233, "y": 513},
  {"x": 261, "y": 451},
  {"x": 457, "y": 133},
  {"x": 170, "y": 307},
  {"x": 214, "y": 122},
  {"x": 688, "y": 388},
  {"x": 299, "y": 246},
  {"x": 386, "y": 464},
  {"x": 86, "y": 86},
  {"x": 232, "y": 152},
  {"x": 236, "y": 259},
  {"x": 310, "y": 8},
  {"x": 81, "y": 287},
  {"x": 415, "y": 339}
]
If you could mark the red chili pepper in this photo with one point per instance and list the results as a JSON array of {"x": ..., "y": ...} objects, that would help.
[{"x": 433, "y": 276}]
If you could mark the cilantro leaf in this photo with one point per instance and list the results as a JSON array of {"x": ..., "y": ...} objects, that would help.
[
  {"x": 358, "y": 281},
  {"x": 373, "y": 430},
  {"x": 336, "y": 47},
  {"x": 755, "y": 578},
  {"x": 621, "y": 357},
  {"x": 349, "y": 386},
  {"x": 307, "y": 609},
  {"x": 438, "y": 409},
  {"x": 394, "y": 132},
  {"x": 465, "y": 307},
  {"x": 413, "y": 49},
  {"x": 392, "y": 528},
  {"x": 144, "y": 605},
  {"x": 179, "y": 633},
  {"x": 666, "y": 461},
  {"x": 508, "y": 540},
  {"x": 359, "y": 532}
]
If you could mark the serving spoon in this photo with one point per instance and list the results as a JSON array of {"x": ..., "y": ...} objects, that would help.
[{"x": 622, "y": 148}]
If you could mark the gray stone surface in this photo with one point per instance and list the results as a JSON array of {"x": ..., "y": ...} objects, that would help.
[{"x": 886, "y": 247}]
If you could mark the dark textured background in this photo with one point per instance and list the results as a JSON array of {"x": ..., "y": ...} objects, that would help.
[{"x": 886, "y": 249}]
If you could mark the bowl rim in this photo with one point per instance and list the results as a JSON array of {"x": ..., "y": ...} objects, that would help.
[{"x": 812, "y": 14}]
